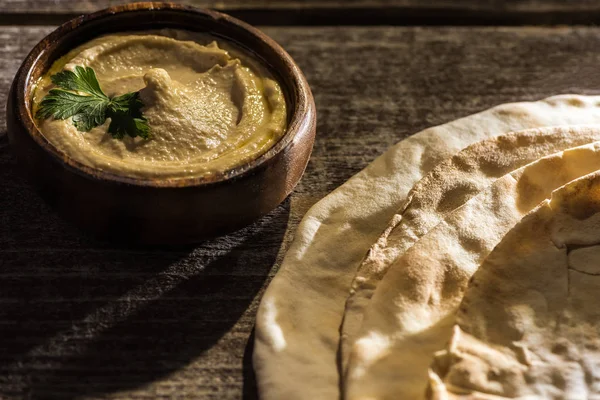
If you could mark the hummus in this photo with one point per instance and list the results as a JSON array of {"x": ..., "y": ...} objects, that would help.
[{"x": 210, "y": 106}]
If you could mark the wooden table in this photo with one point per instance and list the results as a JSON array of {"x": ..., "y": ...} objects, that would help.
[{"x": 81, "y": 318}]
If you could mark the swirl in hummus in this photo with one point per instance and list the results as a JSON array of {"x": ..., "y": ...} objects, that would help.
[{"x": 211, "y": 107}]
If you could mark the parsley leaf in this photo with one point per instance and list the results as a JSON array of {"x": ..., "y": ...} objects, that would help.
[{"x": 79, "y": 96}]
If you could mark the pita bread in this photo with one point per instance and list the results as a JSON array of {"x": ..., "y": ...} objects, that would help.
[
  {"x": 529, "y": 323},
  {"x": 298, "y": 320},
  {"x": 448, "y": 186},
  {"x": 411, "y": 313}
]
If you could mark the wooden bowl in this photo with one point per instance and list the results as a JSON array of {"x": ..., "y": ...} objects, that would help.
[{"x": 159, "y": 211}]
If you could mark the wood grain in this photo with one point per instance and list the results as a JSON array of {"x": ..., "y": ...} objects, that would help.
[
  {"x": 85, "y": 319},
  {"x": 340, "y": 12},
  {"x": 537, "y": 6}
]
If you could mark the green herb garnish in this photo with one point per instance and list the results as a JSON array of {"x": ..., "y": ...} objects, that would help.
[{"x": 79, "y": 96}]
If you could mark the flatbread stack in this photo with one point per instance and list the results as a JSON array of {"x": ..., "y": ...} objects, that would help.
[
  {"x": 410, "y": 315},
  {"x": 447, "y": 187},
  {"x": 372, "y": 299},
  {"x": 528, "y": 325}
]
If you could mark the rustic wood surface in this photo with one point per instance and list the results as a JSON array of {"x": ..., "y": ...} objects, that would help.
[
  {"x": 340, "y": 12},
  {"x": 85, "y": 319},
  {"x": 536, "y": 6}
]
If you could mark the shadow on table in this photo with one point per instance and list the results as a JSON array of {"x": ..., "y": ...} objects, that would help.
[
  {"x": 80, "y": 317},
  {"x": 250, "y": 390}
]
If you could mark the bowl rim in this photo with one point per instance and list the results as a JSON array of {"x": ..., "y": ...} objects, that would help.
[{"x": 302, "y": 114}]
